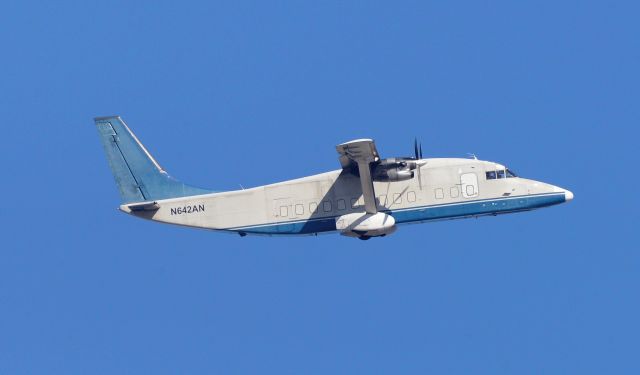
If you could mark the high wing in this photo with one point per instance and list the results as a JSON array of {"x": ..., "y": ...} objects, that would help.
[{"x": 361, "y": 152}]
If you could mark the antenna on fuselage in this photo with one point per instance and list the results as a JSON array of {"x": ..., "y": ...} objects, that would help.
[{"x": 471, "y": 155}]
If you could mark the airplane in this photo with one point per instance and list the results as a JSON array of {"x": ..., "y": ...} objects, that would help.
[{"x": 367, "y": 197}]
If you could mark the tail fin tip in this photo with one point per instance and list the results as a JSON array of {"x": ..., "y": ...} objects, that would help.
[{"x": 103, "y": 118}]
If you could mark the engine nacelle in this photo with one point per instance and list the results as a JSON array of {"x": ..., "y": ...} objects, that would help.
[
  {"x": 393, "y": 169},
  {"x": 400, "y": 163},
  {"x": 392, "y": 175},
  {"x": 364, "y": 225}
]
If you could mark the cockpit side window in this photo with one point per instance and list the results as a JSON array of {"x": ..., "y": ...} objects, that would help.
[{"x": 500, "y": 173}]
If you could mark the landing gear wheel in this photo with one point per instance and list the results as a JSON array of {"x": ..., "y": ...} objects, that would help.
[{"x": 364, "y": 238}]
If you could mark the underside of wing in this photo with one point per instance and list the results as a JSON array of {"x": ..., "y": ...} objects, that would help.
[
  {"x": 361, "y": 153},
  {"x": 357, "y": 150}
]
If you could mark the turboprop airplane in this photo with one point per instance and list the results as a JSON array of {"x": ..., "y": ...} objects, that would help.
[{"x": 368, "y": 197}]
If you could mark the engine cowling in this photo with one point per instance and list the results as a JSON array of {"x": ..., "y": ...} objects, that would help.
[
  {"x": 393, "y": 175},
  {"x": 364, "y": 225},
  {"x": 393, "y": 169}
]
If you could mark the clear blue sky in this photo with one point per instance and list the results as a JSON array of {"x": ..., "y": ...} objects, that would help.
[{"x": 257, "y": 92}]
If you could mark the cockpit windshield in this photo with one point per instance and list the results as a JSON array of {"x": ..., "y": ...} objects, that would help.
[{"x": 500, "y": 173}]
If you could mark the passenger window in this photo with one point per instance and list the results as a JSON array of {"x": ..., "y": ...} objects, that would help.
[
  {"x": 284, "y": 211},
  {"x": 341, "y": 204},
  {"x": 313, "y": 207},
  {"x": 411, "y": 196},
  {"x": 299, "y": 209},
  {"x": 397, "y": 198},
  {"x": 471, "y": 190},
  {"x": 501, "y": 173},
  {"x": 454, "y": 192},
  {"x": 439, "y": 193},
  {"x": 326, "y": 206},
  {"x": 491, "y": 175}
]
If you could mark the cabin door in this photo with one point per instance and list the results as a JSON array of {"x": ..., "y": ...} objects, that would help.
[{"x": 469, "y": 185}]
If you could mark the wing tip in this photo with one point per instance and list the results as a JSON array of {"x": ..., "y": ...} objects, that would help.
[{"x": 357, "y": 141}]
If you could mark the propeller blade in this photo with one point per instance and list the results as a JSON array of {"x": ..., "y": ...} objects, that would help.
[{"x": 418, "y": 151}]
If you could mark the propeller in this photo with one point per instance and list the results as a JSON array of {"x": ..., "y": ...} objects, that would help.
[{"x": 417, "y": 149}]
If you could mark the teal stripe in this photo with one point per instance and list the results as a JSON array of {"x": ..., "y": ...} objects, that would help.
[{"x": 417, "y": 214}]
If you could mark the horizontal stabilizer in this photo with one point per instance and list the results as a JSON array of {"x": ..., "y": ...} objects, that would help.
[{"x": 142, "y": 206}]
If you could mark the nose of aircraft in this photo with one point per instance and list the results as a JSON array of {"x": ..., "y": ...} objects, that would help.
[{"x": 568, "y": 195}]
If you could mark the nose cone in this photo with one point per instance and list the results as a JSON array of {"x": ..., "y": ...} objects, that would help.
[{"x": 568, "y": 195}]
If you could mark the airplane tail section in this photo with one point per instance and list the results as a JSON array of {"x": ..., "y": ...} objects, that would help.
[{"x": 138, "y": 176}]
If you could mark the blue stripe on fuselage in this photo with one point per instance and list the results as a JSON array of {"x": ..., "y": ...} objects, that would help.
[{"x": 417, "y": 214}]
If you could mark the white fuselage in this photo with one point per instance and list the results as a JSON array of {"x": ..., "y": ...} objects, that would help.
[{"x": 444, "y": 189}]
